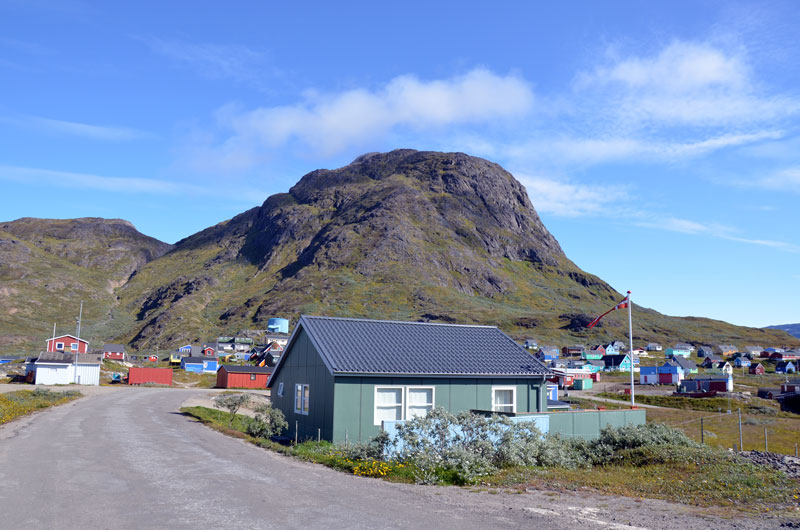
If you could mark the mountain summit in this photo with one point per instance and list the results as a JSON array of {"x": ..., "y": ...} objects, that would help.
[{"x": 404, "y": 235}]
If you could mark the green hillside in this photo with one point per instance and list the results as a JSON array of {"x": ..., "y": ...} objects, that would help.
[{"x": 402, "y": 235}]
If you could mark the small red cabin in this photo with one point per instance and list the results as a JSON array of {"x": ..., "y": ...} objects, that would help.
[
  {"x": 243, "y": 376},
  {"x": 67, "y": 344},
  {"x": 115, "y": 352},
  {"x": 756, "y": 369}
]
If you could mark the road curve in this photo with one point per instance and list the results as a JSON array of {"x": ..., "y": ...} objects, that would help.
[{"x": 126, "y": 459}]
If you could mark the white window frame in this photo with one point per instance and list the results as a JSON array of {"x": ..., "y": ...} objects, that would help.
[
  {"x": 74, "y": 346},
  {"x": 406, "y": 415},
  {"x": 375, "y": 420},
  {"x": 280, "y": 389},
  {"x": 59, "y": 345},
  {"x": 513, "y": 397},
  {"x": 304, "y": 405}
]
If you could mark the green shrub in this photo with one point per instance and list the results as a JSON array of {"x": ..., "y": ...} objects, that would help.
[{"x": 267, "y": 422}]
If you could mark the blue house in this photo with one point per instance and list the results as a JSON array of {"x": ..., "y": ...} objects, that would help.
[
  {"x": 742, "y": 362},
  {"x": 785, "y": 367},
  {"x": 612, "y": 350},
  {"x": 199, "y": 365},
  {"x": 547, "y": 353}
]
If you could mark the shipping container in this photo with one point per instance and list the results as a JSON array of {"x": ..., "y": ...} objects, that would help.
[{"x": 157, "y": 376}]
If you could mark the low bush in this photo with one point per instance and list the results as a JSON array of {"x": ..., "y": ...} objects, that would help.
[
  {"x": 22, "y": 402},
  {"x": 268, "y": 422}
]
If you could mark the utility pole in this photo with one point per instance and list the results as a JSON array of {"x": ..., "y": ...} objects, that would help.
[
  {"x": 741, "y": 447},
  {"x": 702, "y": 434},
  {"x": 78, "y": 348}
]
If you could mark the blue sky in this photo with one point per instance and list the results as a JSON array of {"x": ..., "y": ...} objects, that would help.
[{"x": 659, "y": 142}]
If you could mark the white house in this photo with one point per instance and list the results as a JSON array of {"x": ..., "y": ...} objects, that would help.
[{"x": 55, "y": 368}]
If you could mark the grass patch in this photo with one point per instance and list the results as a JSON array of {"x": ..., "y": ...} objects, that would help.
[
  {"x": 728, "y": 482},
  {"x": 711, "y": 404},
  {"x": 23, "y": 402}
]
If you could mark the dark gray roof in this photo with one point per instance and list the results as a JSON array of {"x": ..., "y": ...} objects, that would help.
[
  {"x": 234, "y": 369},
  {"x": 197, "y": 360},
  {"x": 355, "y": 346},
  {"x": 55, "y": 357},
  {"x": 684, "y": 362},
  {"x": 114, "y": 348}
]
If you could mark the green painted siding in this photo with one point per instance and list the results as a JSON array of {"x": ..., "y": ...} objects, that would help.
[
  {"x": 354, "y": 399},
  {"x": 589, "y": 423},
  {"x": 303, "y": 365}
]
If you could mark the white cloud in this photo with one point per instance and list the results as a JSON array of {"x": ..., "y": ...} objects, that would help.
[
  {"x": 567, "y": 199},
  {"x": 327, "y": 124},
  {"x": 591, "y": 151},
  {"x": 124, "y": 185},
  {"x": 686, "y": 83},
  {"x": 783, "y": 180},
  {"x": 86, "y": 130},
  {"x": 686, "y": 226}
]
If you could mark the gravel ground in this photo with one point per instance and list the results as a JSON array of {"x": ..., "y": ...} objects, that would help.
[{"x": 128, "y": 451}]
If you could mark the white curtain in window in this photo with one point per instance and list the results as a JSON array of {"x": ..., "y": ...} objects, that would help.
[
  {"x": 388, "y": 404},
  {"x": 420, "y": 401},
  {"x": 504, "y": 400}
]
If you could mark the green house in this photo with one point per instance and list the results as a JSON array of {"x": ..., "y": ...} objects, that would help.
[{"x": 340, "y": 378}]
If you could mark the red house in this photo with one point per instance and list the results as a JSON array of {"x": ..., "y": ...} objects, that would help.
[
  {"x": 243, "y": 376},
  {"x": 114, "y": 351},
  {"x": 67, "y": 344},
  {"x": 791, "y": 386},
  {"x": 756, "y": 369}
]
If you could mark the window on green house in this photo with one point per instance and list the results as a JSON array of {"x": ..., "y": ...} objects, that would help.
[
  {"x": 504, "y": 399},
  {"x": 301, "y": 398}
]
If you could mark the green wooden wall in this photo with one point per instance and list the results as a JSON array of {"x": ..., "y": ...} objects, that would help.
[
  {"x": 303, "y": 365},
  {"x": 354, "y": 399}
]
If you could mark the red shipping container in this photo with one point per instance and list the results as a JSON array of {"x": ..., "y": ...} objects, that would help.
[{"x": 158, "y": 376}]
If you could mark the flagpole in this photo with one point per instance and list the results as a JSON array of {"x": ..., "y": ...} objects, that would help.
[{"x": 630, "y": 351}]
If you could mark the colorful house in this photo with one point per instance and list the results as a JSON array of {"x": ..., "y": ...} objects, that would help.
[
  {"x": 706, "y": 384},
  {"x": 785, "y": 367},
  {"x": 654, "y": 346},
  {"x": 611, "y": 350},
  {"x": 67, "y": 343},
  {"x": 242, "y": 376},
  {"x": 721, "y": 367},
  {"x": 617, "y": 363},
  {"x": 756, "y": 369},
  {"x": 593, "y": 354},
  {"x": 115, "y": 352},
  {"x": 790, "y": 386},
  {"x": 688, "y": 366},
  {"x": 705, "y": 351},
  {"x": 345, "y": 389},
  {"x": 573, "y": 350},
  {"x": 710, "y": 362},
  {"x": 726, "y": 349},
  {"x": 676, "y": 352},
  {"x": 742, "y": 362},
  {"x": 547, "y": 353},
  {"x": 684, "y": 346},
  {"x": 594, "y": 365},
  {"x": 199, "y": 365},
  {"x": 669, "y": 374}
]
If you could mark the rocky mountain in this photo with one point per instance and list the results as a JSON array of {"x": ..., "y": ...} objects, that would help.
[
  {"x": 47, "y": 266},
  {"x": 401, "y": 235},
  {"x": 791, "y": 329}
]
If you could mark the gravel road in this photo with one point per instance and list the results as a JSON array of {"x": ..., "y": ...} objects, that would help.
[{"x": 124, "y": 458}]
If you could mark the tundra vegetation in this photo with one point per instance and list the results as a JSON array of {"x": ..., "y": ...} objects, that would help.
[
  {"x": 22, "y": 402},
  {"x": 479, "y": 452}
]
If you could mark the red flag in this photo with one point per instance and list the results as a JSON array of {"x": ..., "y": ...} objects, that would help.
[{"x": 623, "y": 304}]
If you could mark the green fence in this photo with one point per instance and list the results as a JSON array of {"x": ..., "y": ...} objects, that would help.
[{"x": 587, "y": 424}]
